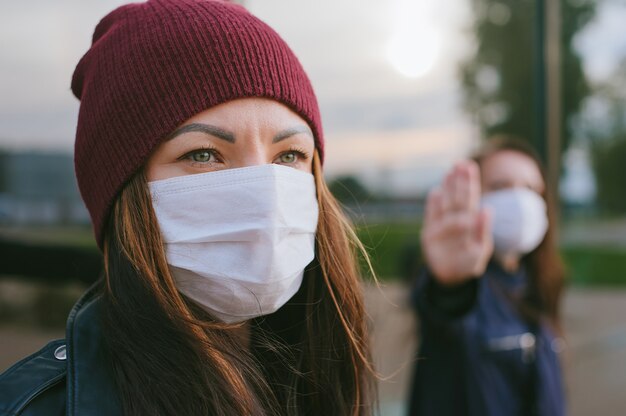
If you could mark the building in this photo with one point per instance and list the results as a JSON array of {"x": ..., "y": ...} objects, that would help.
[{"x": 39, "y": 188}]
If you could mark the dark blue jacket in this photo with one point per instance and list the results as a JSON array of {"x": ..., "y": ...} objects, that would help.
[
  {"x": 67, "y": 377},
  {"x": 478, "y": 357}
]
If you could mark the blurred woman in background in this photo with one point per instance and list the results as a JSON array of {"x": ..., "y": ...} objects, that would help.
[
  {"x": 488, "y": 302},
  {"x": 230, "y": 284}
]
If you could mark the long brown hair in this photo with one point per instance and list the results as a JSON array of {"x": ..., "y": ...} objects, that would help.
[
  {"x": 545, "y": 267},
  {"x": 170, "y": 358}
]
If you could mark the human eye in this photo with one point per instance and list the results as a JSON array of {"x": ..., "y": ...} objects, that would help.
[
  {"x": 292, "y": 156},
  {"x": 204, "y": 156}
]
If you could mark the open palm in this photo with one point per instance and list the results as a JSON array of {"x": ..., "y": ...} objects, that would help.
[{"x": 456, "y": 238}]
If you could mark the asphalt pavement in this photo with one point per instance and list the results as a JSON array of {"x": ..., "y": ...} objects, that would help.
[{"x": 595, "y": 357}]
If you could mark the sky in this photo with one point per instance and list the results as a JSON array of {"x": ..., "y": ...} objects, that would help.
[
  {"x": 384, "y": 72},
  {"x": 603, "y": 41}
]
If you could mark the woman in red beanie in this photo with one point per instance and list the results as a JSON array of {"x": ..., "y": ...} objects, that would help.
[{"x": 230, "y": 284}]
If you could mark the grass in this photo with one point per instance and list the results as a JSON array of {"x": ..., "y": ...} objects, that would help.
[
  {"x": 395, "y": 251},
  {"x": 595, "y": 265},
  {"x": 393, "y": 248}
]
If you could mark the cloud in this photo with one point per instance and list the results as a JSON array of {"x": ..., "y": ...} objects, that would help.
[
  {"x": 341, "y": 44},
  {"x": 406, "y": 162},
  {"x": 404, "y": 112},
  {"x": 41, "y": 42}
]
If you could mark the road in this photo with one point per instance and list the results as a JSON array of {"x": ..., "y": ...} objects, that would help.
[
  {"x": 595, "y": 367},
  {"x": 595, "y": 359}
]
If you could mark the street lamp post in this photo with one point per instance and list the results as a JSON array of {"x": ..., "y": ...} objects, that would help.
[
  {"x": 548, "y": 101},
  {"x": 554, "y": 112}
]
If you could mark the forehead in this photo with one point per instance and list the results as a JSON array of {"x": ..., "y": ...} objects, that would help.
[
  {"x": 253, "y": 110},
  {"x": 511, "y": 167}
]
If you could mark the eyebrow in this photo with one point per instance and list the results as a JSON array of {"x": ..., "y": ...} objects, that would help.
[
  {"x": 230, "y": 137},
  {"x": 291, "y": 132},
  {"x": 203, "y": 128}
]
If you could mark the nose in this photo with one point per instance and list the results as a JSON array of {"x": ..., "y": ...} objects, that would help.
[{"x": 252, "y": 153}]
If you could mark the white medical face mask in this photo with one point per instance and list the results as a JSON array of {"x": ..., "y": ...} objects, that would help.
[
  {"x": 238, "y": 240},
  {"x": 519, "y": 220}
]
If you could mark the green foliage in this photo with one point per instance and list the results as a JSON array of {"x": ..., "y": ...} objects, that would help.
[
  {"x": 393, "y": 248},
  {"x": 349, "y": 190},
  {"x": 608, "y": 141},
  {"x": 395, "y": 254},
  {"x": 3, "y": 171},
  {"x": 500, "y": 80},
  {"x": 595, "y": 265},
  {"x": 609, "y": 163},
  {"x": 610, "y": 96}
]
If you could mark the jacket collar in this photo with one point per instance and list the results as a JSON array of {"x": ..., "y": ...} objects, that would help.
[{"x": 90, "y": 387}]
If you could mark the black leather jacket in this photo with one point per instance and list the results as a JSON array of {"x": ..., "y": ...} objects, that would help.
[{"x": 67, "y": 377}]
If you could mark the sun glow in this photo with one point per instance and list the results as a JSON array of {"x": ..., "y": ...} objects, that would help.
[{"x": 415, "y": 44}]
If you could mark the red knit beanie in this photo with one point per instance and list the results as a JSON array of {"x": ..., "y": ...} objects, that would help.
[{"x": 152, "y": 66}]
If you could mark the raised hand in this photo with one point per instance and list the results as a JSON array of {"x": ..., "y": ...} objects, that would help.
[{"x": 456, "y": 237}]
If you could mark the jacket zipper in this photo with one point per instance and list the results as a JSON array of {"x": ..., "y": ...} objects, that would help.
[{"x": 525, "y": 342}]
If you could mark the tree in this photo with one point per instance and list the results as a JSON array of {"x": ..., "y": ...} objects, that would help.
[
  {"x": 4, "y": 176},
  {"x": 610, "y": 96},
  {"x": 500, "y": 79},
  {"x": 348, "y": 190},
  {"x": 609, "y": 166},
  {"x": 608, "y": 145}
]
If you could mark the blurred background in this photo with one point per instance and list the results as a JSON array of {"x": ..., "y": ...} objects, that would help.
[{"x": 406, "y": 88}]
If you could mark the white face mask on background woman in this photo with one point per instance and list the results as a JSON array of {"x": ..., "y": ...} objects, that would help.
[
  {"x": 238, "y": 240},
  {"x": 519, "y": 220}
]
